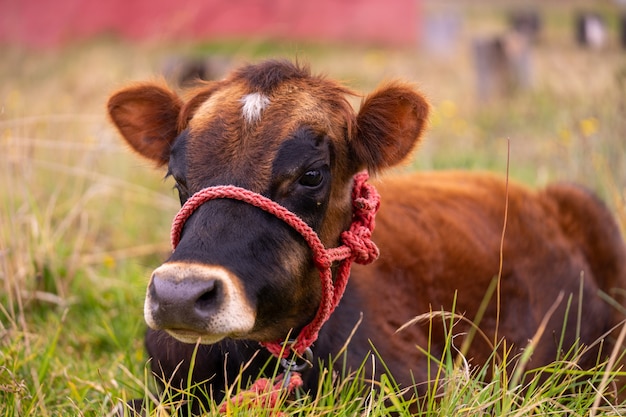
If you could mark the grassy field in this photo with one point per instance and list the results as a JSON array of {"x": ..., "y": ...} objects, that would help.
[{"x": 82, "y": 222}]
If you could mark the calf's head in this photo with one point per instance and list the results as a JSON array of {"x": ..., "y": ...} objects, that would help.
[{"x": 274, "y": 129}]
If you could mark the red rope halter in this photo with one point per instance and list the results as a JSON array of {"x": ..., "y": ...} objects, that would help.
[{"x": 357, "y": 247}]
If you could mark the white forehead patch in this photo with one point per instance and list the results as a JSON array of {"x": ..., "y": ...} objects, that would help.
[{"x": 253, "y": 106}]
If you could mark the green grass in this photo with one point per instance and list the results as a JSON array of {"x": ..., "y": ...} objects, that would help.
[
  {"x": 83, "y": 223},
  {"x": 507, "y": 386}
]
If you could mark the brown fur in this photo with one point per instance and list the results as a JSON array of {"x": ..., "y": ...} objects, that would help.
[{"x": 553, "y": 239}]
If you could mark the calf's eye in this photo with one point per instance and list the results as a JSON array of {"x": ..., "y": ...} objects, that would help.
[{"x": 311, "y": 178}]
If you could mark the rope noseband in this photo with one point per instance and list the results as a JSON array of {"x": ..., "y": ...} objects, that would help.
[{"x": 357, "y": 247}]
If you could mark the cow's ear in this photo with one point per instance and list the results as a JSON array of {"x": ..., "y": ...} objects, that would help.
[
  {"x": 389, "y": 125},
  {"x": 147, "y": 117}
]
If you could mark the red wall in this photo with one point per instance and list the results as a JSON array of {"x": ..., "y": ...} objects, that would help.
[{"x": 54, "y": 22}]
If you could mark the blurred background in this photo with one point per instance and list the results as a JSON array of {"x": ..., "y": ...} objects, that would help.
[
  {"x": 538, "y": 86},
  {"x": 538, "y": 73}
]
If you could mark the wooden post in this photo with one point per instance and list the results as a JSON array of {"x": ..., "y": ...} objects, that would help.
[
  {"x": 502, "y": 65},
  {"x": 591, "y": 30}
]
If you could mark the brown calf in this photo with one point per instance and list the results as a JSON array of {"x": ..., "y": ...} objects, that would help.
[{"x": 241, "y": 276}]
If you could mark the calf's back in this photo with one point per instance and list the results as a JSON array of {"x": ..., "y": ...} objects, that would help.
[{"x": 443, "y": 240}]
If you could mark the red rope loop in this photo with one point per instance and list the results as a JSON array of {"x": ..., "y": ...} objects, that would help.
[
  {"x": 357, "y": 246},
  {"x": 263, "y": 394}
]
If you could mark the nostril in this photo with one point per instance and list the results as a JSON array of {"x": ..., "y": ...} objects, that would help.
[{"x": 207, "y": 298}]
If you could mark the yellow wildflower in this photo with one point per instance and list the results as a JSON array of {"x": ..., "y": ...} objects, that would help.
[
  {"x": 588, "y": 126},
  {"x": 108, "y": 261}
]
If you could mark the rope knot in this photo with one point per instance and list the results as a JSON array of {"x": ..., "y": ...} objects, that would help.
[
  {"x": 365, "y": 204},
  {"x": 363, "y": 249},
  {"x": 323, "y": 260}
]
